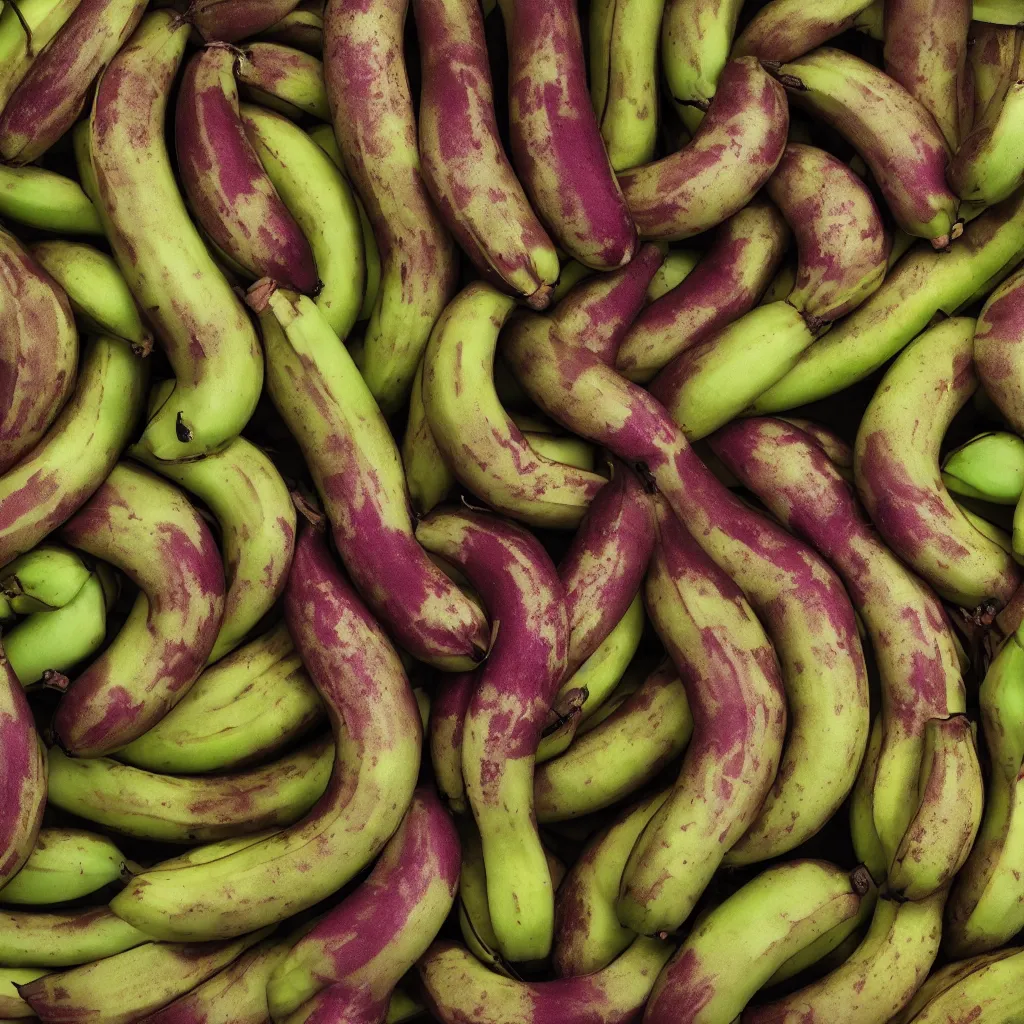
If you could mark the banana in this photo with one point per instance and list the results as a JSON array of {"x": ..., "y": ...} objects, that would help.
[
  {"x": 675, "y": 268},
  {"x": 917, "y": 660},
  {"x": 446, "y": 729},
  {"x": 623, "y": 48},
  {"x": 475, "y": 435},
  {"x": 43, "y": 579},
  {"x": 318, "y": 197},
  {"x": 879, "y": 978},
  {"x": 989, "y": 467},
  {"x": 46, "y": 200},
  {"x": 990, "y": 993},
  {"x": 358, "y": 473},
  {"x": 231, "y": 20},
  {"x": 570, "y": 451},
  {"x": 472, "y": 184},
  {"x": 742, "y": 942},
  {"x": 506, "y": 713},
  {"x": 25, "y": 29},
  {"x": 866, "y": 845},
  {"x": 999, "y": 349},
  {"x": 376, "y": 131},
  {"x": 39, "y": 358},
  {"x": 712, "y": 382},
  {"x": 588, "y": 934},
  {"x": 744, "y": 254},
  {"x": 920, "y": 285},
  {"x": 243, "y": 489},
  {"x": 999, "y": 12},
  {"x": 572, "y": 272},
  {"x": 784, "y": 30},
  {"x": 350, "y": 962},
  {"x": 302, "y": 28},
  {"x": 239, "y": 712},
  {"x": 56, "y": 641},
  {"x": 378, "y": 737},
  {"x": 64, "y": 939},
  {"x": 162, "y": 256},
  {"x": 892, "y": 131},
  {"x": 209, "y": 852},
  {"x": 840, "y": 453},
  {"x": 458, "y": 988},
  {"x": 230, "y": 193},
  {"x": 896, "y": 466},
  {"x": 842, "y": 247},
  {"x": 285, "y": 79},
  {"x": 12, "y": 1006},
  {"x": 427, "y": 476},
  {"x": 555, "y": 138},
  {"x": 732, "y": 154},
  {"x": 147, "y": 528},
  {"x": 53, "y": 91},
  {"x": 22, "y": 777},
  {"x": 646, "y": 732},
  {"x": 129, "y": 985},
  {"x": 992, "y": 57},
  {"x": 64, "y": 864},
  {"x": 926, "y": 52}
]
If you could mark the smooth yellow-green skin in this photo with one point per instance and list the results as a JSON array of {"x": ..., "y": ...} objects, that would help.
[{"x": 46, "y": 200}]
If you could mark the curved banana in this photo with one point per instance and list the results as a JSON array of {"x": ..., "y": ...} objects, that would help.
[
  {"x": 841, "y": 241},
  {"x": 350, "y": 962},
  {"x": 378, "y": 737},
  {"x": 376, "y": 130},
  {"x": 555, "y": 139},
  {"x": 243, "y": 489},
  {"x": 999, "y": 12},
  {"x": 64, "y": 864},
  {"x": 230, "y": 20},
  {"x": 646, "y": 731},
  {"x": 44, "y": 579},
  {"x": 64, "y": 939},
  {"x": 46, "y": 200},
  {"x": 505, "y": 716},
  {"x": 285, "y": 79},
  {"x": 588, "y": 934},
  {"x": 39, "y": 357},
  {"x": 162, "y": 256},
  {"x": 230, "y": 193},
  {"x": 892, "y": 131},
  {"x": 50, "y": 97},
  {"x": 732, "y": 154},
  {"x": 358, "y": 473},
  {"x": 623, "y": 49},
  {"x": 989, "y": 467},
  {"x": 239, "y": 712},
  {"x": 148, "y": 529},
  {"x": 458, "y": 988},
  {"x": 675, "y": 268},
  {"x": 783, "y": 30},
  {"x": 25, "y": 31},
  {"x": 729, "y": 279},
  {"x": 427, "y": 476},
  {"x": 472, "y": 184},
  {"x": 478, "y": 440},
  {"x": 896, "y": 466},
  {"x": 999, "y": 349},
  {"x": 570, "y": 451},
  {"x": 988, "y": 166},
  {"x": 317, "y": 195},
  {"x": 742, "y": 942},
  {"x": 866, "y": 845}
]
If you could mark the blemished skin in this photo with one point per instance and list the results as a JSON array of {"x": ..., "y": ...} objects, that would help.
[
  {"x": 839, "y": 452},
  {"x": 79, "y": 450},
  {"x": 842, "y": 248},
  {"x": 992, "y": 58},
  {"x": 285, "y": 78},
  {"x": 352, "y": 959},
  {"x": 465, "y": 168},
  {"x": 919, "y": 669},
  {"x": 518, "y": 583},
  {"x": 734, "y": 688},
  {"x": 732, "y": 154},
  {"x": 357, "y": 470},
  {"x": 161, "y": 254},
  {"x": 896, "y": 467},
  {"x": 126, "y": 987},
  {"x": 227, "y": 187},
  {"x": 22, "y": 775},
  {"x": 147, "y": 529},
  {"x": 459, "y": 988},
  {"x": 742, "y": 942},
  {"x": 376, "y": 130},
  {"x": 190, "y": 809},
  {"x": 376, "y": 725},
  {"x": 63, "y": 939},
  {"x": 894, "y": 134},
  {"x": 921, "y": 284},
  {"x": 18, "y": 51},
  {"x": 786, "y": 29},
  {"x": 555, "y": 139},
  {"x": 445, "y": 730},
  {"x": 926, "y": 52},
  {"x": 744, "y": 255},
  {"x": 302, "y": 28},
  {"x": 230, "y": 20},
  {"x": 39, "y": 357},
  {"x": 999, "y": 349},
  {"x": 52, "y": 94}
]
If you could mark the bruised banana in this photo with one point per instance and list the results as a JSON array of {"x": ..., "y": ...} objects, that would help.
[{"x": 783, "y": 30}]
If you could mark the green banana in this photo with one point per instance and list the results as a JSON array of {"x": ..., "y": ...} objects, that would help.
[
  {"x": 786, "y": 29},
  {"x": 12, "y": 1006},
  {"x": 25, "y": 28},
  {"x": 65, "y": 863},
  {"x": 992, "y": 57},
  {"x": 239, "y": 712},
  {"x": 989, "y": 467},
  {"x": 302, "y": 28},
  {"x": 285, "y": 79},
  {"x": 64, "y": 939},
  {"x": 568, "y": 450},
  {"x": 998, "y": 12},
  {"x": 675, "y": 268},
  {"x": 46, "y": 200},
  {"x": 866, "y": 844},
  {"x": 43, "y": 579},
  {"x": 426, "y": 473}
]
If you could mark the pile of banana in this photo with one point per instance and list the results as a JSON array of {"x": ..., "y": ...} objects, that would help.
[{"x": 512, "y": 513}]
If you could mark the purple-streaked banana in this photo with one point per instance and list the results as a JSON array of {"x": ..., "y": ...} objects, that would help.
[
  {"x": 25, "y": 31},
  {"x": 302, "y": 28},
  {"x": 783, "y": 30},
  {"x": 445, "y": 729},
  {"x": 999, "y": 349},
  {"x": 230, "y": 20}
]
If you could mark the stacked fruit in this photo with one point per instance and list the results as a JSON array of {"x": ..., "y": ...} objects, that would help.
[{"x": 427, "y": 588}]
